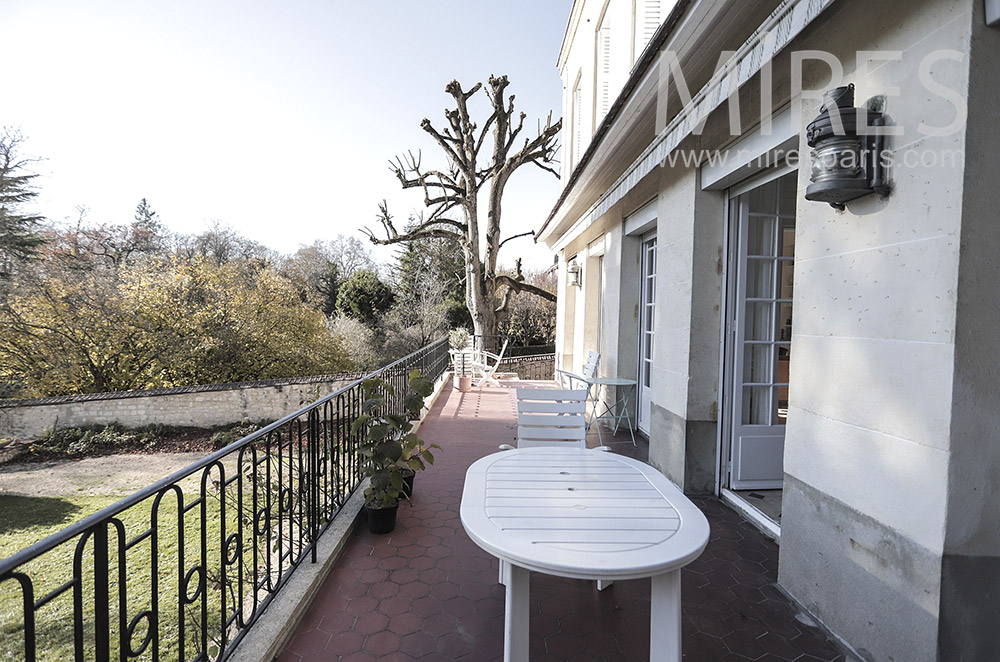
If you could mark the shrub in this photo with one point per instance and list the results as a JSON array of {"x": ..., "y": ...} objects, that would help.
[
  {"x": 93, "y": 440},
  {"x": 234, "y": 432}
]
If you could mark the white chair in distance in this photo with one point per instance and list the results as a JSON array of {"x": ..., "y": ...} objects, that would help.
[
  {"x": 570, "y": 379},
  {"x": 486, "y": 364}
]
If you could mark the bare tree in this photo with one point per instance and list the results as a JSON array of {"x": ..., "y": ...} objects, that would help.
[{"x": 452, "y": 195}]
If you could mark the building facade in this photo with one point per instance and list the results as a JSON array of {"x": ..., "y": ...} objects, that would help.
[{"x": 833, "y": 372}]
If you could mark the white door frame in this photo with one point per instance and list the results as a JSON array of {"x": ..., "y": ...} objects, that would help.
[
  {"x": 730, "y": 326},
  {"x": 647, "y": 330}
]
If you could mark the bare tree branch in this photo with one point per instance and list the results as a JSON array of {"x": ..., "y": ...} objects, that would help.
[{"x": 530, "y": 233}]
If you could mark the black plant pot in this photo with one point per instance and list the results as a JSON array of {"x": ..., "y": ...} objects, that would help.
[{"x": 382, "y": 520}]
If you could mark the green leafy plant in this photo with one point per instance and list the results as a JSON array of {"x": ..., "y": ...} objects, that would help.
[
  {"x": 390, "y": 448},
  {"x": 459, "y": 338}
]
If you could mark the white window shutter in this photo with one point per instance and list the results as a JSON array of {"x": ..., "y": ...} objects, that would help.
[
  {"x": 603, "y": 71},
  {"x": 646, "y": 24},
  {"x": 577, "y": 124}
]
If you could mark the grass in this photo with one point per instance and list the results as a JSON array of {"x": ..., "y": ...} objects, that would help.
[{"x": 26, "y": 520}]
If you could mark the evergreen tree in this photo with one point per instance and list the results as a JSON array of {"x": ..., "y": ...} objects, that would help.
[
  {"x": 364, "y": 297},
  {"x": 19, "y": 236}
]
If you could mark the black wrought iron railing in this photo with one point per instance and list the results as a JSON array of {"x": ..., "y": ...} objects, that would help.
[
  {"x": 534, "y": 367},
  {"x": 495, "y": 343},
  {"x": 181, "y": 569}
]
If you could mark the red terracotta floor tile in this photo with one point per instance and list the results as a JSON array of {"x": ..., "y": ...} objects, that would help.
[{"x": 426, "y": 592}]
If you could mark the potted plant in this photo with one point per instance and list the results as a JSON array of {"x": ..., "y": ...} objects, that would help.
[
  {"x": 461, "y": 356},
  {"x": 390, "y": 449}
]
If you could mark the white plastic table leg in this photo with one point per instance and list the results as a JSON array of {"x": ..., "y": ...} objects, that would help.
[
  {"x": 515, "y": 630},
  {"x": 665, "y": 618}
]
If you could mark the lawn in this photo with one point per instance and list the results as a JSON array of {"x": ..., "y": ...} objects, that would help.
[{"x": 26, "y": 520}]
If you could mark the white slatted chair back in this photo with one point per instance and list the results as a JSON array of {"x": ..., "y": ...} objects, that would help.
[
  {"x": 571, "y": 380},
  {"x": 551, "y": 417},
  {"x": 462, "y": 361}
]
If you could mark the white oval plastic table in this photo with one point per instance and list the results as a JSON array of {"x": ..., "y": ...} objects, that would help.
[{"x": 585, "y": 514}]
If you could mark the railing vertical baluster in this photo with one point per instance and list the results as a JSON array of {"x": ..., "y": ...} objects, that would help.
[
  {"x": 78, "y": 624},
  {"x": 102, "y": 625},
  {"x": 28, "y": 604},
  {"x": 239, "y": 605},
  {"x": 203, "y": 576},
  {"x": 312, "y": 444},
  {"x": 122, "y": 593},
  {"x": 181, "y": 581},
  {"x": 224, "y": 576},
  {"x": 267, "y": 512}
]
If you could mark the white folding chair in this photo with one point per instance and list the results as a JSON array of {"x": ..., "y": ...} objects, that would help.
[
  {"x": 569, "y": 379},
  {"x": 486, "y": 364}
]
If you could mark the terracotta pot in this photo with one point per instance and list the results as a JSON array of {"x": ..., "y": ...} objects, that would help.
[
  {"x": 465, "y": 384},
  {"x": 382, "y": 520}
]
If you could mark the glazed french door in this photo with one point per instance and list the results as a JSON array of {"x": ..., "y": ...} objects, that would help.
[
  {"x": 764, "y": 221},
  {"x": 647, "y": 307}
]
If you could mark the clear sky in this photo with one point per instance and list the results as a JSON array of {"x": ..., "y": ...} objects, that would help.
[{"x": 276, "y": 118}]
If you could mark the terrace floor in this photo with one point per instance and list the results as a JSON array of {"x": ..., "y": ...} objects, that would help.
[{"x": 427, "y": 592}]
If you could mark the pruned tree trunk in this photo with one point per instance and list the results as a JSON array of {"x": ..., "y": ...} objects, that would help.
[{"x": 452, "y": 195}]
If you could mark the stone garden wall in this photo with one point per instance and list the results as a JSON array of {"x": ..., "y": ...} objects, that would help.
[{"x": 197, "y": 406}]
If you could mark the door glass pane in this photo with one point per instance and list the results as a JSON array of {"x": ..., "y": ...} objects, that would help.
[
  {"x": 785, "y": 322},
  {"x": 786, "y": 278},
  {"x": 758, "y": 321},
  {"x": 760, "y": 278},
  {"x": 756, "y": 405},
  {"x": 786, "y": 197},
  {"x": 757, "y": 364},
  {"x": 787, "y": 238},
  {"x": 760, "y": 235},
  {"x": 764, "y": 199},
  {"x": 781, "y": 410}
]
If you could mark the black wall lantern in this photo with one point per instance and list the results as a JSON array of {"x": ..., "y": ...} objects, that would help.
[{"x": 846, "y": 155}]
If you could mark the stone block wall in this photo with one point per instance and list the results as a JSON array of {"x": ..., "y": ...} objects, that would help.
[{"x": 196, "y": 406}]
